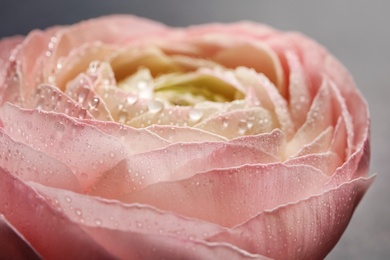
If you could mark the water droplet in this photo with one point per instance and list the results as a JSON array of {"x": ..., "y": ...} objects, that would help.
[
  {"x": 242, "y": 127},
  {"x": 155, "y": 106},
  {"x": 249, "y": 124},
  {"x": 225, "y": 123},
  {"x": 93, "y": 66},
  {"x": 98, "y": 222},
  {"x": 78, "y": 212},
  {"x": 122, "y": 116},
  {"x": 94, "y": 103},
  {"x": 195, "y": 114},
  {"x": 51, "y": 79},
  {"x": 59, "y": 66},
  {"x": 131, "y": 100},
  {"x": 68, "y": 199},
  {"x": 142, "y": 84},
  {"x": 83, "y": 93}
]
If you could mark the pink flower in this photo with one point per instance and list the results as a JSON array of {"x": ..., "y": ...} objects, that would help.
[{"x": 123, "y": 138}]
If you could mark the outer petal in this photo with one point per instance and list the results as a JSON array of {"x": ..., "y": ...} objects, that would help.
[
  {"x": 231, "y": 196},
  {"x": 31, "y": 165},
  {"x": 47, "y": 230},
  {"x": 305, "y": 230},
  {"x": 87, "y": 151},
  {"x": 13, "y": 244},
  {"x": 6, "y": 47},
  {"x": 174, "y": 162},
  {"x": 139, "y": 232}
]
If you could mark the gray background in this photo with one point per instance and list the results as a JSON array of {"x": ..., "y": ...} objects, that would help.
[{"x": 356, "y": 31}]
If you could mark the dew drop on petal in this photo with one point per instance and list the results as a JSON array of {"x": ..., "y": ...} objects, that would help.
[
  {"x": 142, "y": 84},
  {"x": 225, "y": 122},
  {"x": 82, "y": 95},
  {"x": 94, "y": 103},
  {"x": 131, "y": 100},
  {"x": 68, "y": 199},
  {"x": 155, "y": 106},
  {"x": 242, "y": 127},
  {"x": 122, "y": 117},
  {"x": 93, "y": 66},
  {"x": 195, "y": 114},
  {"x": 78, "y": 212},
  {"x": 98, "y": 222}
]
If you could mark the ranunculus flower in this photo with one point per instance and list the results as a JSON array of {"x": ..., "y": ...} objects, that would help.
[{"x": 123, "y": 138}]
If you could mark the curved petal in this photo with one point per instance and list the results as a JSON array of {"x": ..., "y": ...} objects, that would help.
[
  {"x": 13, "y": 244},
  {"x": 81, "y": 90},
  {"x": 47, "y": 230},
  {"x": 174, "y": 162},
  {"x": 239, "y": 122},
  {"x": 136, "y": 140},
  {"x": 231, "y": 196},
  {"x": 304, "y": 230},
  {"x": 130, "y": 245},
  {"x": 112, "y": 29},
  {"x": 112, "y": 214},
  {"x": 272, "y": 143},
  {"x": 7, "y": 45},
  {"x": 50, "y": 98},
  {"x": 31, "y": 165},
  {"x": 87, "y": 151},
  {"x": 176, "y": 134}
]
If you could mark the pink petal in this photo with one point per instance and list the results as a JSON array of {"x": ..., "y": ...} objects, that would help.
[
  {"x": 177, "y": 116},
  {"x": 246, "y": 29},
  {"x": 249, "y": 121},
  {"x": 81, "y": 90},
  {"x": 147, "y": 233},
  {"x": 319, "y": 145},
  {"x": 50, "y": 98},
  {"x": 79, "y": 60},
  {"x": 122, "y": 106},
  {"x": 135, "y": 140},
  {"x": 175, "y": 162},
  {"x": 28, "y": 60},
  {"x": 47, "y": 230},
  {"x": 114, "y": 29},
  {"x": 256, "y": 56},
  {"x": 356, "y": 166},
  {"x": 339, "y": 140},
  {"x": 268, "y": 97},
  {"x": 136, "y": 218},
  {"x": 128, "y": 60},
  {"x": 304, "y": 230},
  {"x": 176, "y": 134},
  {"x": 325, "y": 162},
  {"x": 31, "y": 165},
  {"x": 129, "y": 245},
  {"x": 320, "y": 117},
  {"x": 84, "y": 149},
  {"x": 13, "y": 244},
  {"x": 272, "y": 143},
  {"x": 6, "y": 47},
  {"x": 231, "y": 196},
  {"x": 299, "y": 92}
]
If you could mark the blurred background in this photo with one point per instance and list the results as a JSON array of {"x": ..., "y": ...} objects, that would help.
[{"x": 357, "y": 32}]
